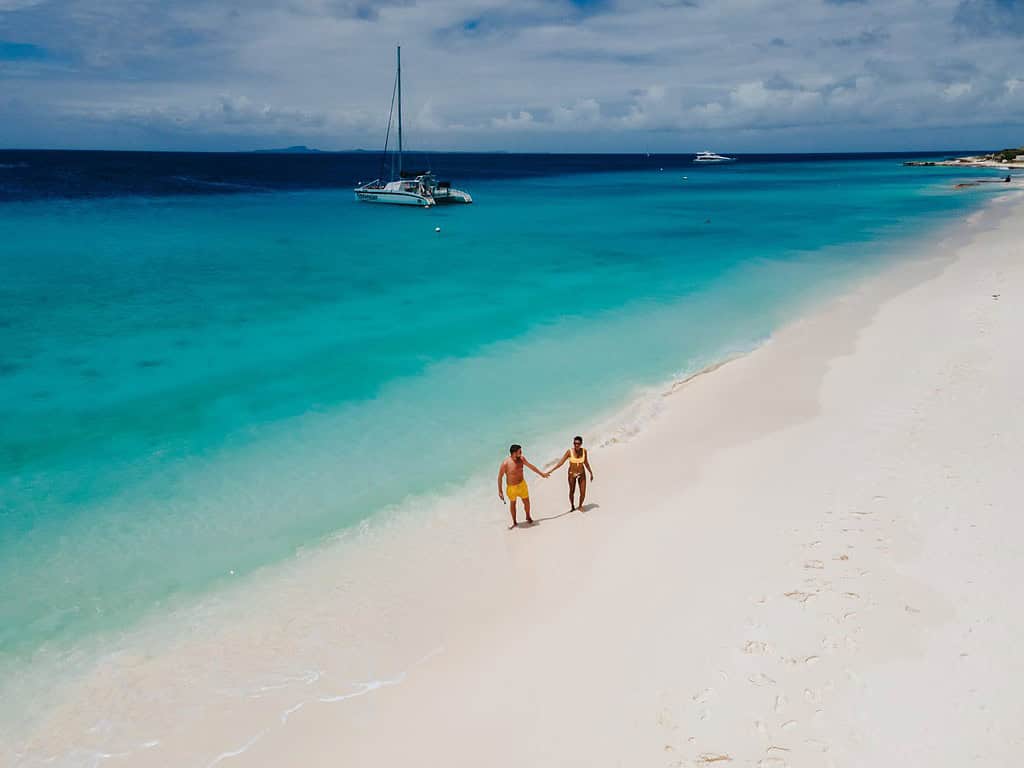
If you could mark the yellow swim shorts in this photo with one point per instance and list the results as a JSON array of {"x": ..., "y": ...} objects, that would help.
[{"x": 518, "y": 491}]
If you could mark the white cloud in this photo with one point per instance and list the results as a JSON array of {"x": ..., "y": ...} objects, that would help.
[
  {"x": 516, "y": 122},
  {"x": 955, "y": 91}
]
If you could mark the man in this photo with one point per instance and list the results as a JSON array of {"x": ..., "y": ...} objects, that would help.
[
  {"x": 512, "y": 470},
  {"x": 579, "y": 464}
]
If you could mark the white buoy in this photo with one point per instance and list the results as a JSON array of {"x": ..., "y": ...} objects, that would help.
[{"x": 437, "y": 229}]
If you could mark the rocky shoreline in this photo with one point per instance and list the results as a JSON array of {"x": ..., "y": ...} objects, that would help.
[{"x": 997, "y": 160}]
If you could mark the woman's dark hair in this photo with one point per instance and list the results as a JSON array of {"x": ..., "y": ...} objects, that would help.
[{"x": 578, "y": 438}]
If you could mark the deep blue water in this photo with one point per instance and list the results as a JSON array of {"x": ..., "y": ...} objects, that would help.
[{"x": 36, "y": 174}]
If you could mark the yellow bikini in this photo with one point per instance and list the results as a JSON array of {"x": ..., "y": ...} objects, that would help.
[{"x": 576, "y": 463}]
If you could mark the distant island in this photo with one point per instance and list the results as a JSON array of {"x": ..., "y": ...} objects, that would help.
[
  {"x": 299, "y": 149},
  {"x": 1012, "y": 158}
]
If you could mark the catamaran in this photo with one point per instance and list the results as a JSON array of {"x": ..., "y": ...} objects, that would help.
[
  {"x": 419, "y": 188},
  {"x": 711, "y": 157}
]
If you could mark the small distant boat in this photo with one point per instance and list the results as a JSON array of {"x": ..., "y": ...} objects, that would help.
[
  {"x": 419, "y": 188},
  {"x": 711, "y": 157}
]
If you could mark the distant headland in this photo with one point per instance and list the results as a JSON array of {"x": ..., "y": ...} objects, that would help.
[
  {"x": 1012, "y": 158},
  {"x": 298, "y": 149}
]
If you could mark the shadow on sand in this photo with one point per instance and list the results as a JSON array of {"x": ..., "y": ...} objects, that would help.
[{"x": 584, "y": 508}]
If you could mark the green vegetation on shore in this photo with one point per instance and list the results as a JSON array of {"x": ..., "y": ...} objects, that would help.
[{"x": 1007, "y": 155}]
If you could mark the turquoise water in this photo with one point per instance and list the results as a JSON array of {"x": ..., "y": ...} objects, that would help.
[{"x": 194, "y": 386}]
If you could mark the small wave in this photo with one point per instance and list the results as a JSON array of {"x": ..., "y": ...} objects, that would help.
[
  {"x": 644, "y": 407},
  {"x": 13, "y": 165},
  {"x": 236, "y": 752}
]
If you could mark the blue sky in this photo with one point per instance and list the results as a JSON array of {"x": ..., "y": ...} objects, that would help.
[{"x": 544, "y": 75}]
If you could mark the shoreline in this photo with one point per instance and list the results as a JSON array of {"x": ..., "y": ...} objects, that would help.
[{"x": 428, "y": 564}]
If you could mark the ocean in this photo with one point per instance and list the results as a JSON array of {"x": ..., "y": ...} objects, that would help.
[{"x": 211, "y": 362}]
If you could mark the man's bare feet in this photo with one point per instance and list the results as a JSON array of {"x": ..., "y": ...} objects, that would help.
[{"x": 529, "y": 521}]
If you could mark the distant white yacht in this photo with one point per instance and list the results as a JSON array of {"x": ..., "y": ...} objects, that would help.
[
  {"x": 711, "y": 157},
  {"x": 418, "y": 188}
]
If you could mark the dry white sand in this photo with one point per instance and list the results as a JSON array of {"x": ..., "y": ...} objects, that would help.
[{"x": 810, "y": 557}]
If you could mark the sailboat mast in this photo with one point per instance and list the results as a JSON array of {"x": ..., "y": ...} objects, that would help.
[{"x": 399, "y": 111}]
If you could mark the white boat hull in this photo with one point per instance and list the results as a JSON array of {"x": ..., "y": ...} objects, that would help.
[
  {"x": 392, "y": 198},
  {"x": 712, "y": 157}
]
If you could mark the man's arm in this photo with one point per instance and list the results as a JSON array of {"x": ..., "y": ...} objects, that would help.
[
  {"x": 586, "y": 463},
  {"x": 501, "y": 474},
  {"x": 565, "y": 457},
  {"x": 528, "y": 464}
]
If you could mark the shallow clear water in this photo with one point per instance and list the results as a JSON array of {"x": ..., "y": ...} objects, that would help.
[{"x": 195, "y": 385}]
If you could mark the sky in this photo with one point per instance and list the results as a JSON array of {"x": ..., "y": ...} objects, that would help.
[{"x": 529, "y": 75}]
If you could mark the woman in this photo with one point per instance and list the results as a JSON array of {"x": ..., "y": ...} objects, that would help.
[{"x": 579, "y": 465}]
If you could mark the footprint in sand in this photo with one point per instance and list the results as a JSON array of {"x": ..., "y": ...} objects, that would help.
[
  {"x": 708, "y": 758},
  {"x": 817, "y": 744},
  {"x": 800, "y": 597},
  {"x": 814, "y": 564},
  {"x": 702, "y": 696},
  {"x": 760, "y": 680},
  {"x": 772, "y": 762},
  {"x": 789, "y": 725},
  {"x": 814, "y": 697},
  {"x": 755, "y": 647},
  {"x": 780, "y": 703}
]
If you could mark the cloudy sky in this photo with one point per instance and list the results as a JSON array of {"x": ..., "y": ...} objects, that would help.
[{"x": 552, "y": 75}]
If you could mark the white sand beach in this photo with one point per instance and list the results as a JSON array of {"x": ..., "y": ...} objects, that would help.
[{"x": 808, "y": 557}]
